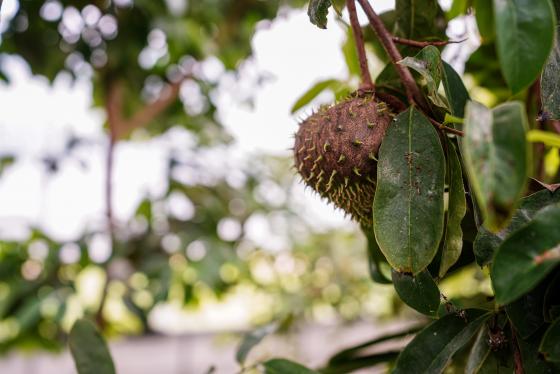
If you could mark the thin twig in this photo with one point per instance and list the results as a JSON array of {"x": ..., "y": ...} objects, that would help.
[
  {"x": 418, "y": 44},
  {"x": 441, "y": 126},
  {"x": 412, "y": 91},
  {"x": 360, "y": 47}
]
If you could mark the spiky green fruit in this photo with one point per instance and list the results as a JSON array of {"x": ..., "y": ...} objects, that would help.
[{"x": 336, "y": 149}]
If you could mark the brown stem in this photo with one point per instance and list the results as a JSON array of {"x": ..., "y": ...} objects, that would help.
[
  {"x": 412, "y": 91},
  {"x": 360, "y": 46},
  {"x": 415, "y": 43},
  {"x": 442, "y": 127},
  {"x": 518, "y": 361}
]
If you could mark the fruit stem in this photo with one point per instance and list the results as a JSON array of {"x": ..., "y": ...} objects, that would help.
[
  {"x": 367, "y": 83},
  {"x": 412, "y": 91},
  {"x": 418, "y": 44}
]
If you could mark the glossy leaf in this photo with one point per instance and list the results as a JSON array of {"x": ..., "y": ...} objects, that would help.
[
  {"x": 487, "y": 243},
  {"x": 313, "y": 92},
  {"x": 253, "y": 338},
  {"x": 496, "y": 156},
  {"x": 283, "y": 366},
  {"x": 430, "y": 351},
  {"x": 457, "y": 208},
  {"x": 318, "y": 11},
  {"x": 550, "y": 345},
  {"x": 89, "y": 349},
  {"x": 410, "y": 179},
  {"x": 550, "y": 81},
  {"x": 419, "y": 292},
  {"x": 524, "y": 33},
  {"x": 455, "y": 91},
  {"x": 428, "y": 63},
  {"x": 527, "y": 256}
]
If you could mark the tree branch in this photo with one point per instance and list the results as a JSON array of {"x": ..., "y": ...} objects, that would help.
[
  {"x": 418, "y": 44},
  {"x": 412, "y": 91},
  {"x": 360, "y": 47},
  {"x": 441, "y": 126}
]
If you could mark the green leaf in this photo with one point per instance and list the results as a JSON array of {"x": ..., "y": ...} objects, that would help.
[
  {"x": 283, "y": 366},
  {"x": 313, "y": 92},
  {"x": 524, "y": 33},
  {"x": 360, "y": 362},
  {"x": 550, "y": 345},
  {"x": 526, "y": 313},
  {"x": 552, "y": 299},
  {"x": 533, "y": 361},
  {"x": 410, "y": 181},
  {"x": 487, "y": 243},
  {"x": 350, "y": 353},
  {"x": 251, "y": 339},
  {"x": 428, "y": 63},
  {"x": 419, "y": 292},
  {"x": 350, "y": 54},
  {"x": 430, "y": 351},
  {"x": 89, "y": 350},
  {"x": 457, "y": 208},
  {"x": 479, "y": 353},
  {"x": 484, "y": 13},
  {"x": 496, "y": 156},
  {"x": 548, "y": 138},
  {"x": 376, "y": 260},
  {"x": 458, "y": 8},
  {"x": 318, "y": 11},
  {"x": 550, "y": 81},
  {"x": 527, "y": 256},
  {"x": 455, "y": 91},
  {"x": 419, "y": 19}
]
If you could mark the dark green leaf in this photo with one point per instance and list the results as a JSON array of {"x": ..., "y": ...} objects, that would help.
[
  {"x": 349, "y": 353},
  {"x": 552, "y": 299},
  {"x": 550, "y": 345},
  {"x": 550, "y": 81},
  {"x": 419, "y": 19},
  {"x": 533, "y": 361},
  {"x": 313, "y": 92},
  {"x": 318, "y": 11},
  {"x": 457, "y": 208},
  {"x": 283, "y": 366},
  {"x": 455, "y": 91},
  {"x": 430, "y": 351},
  {"x": 376, "y": 260},
  {"x": 527, "y": 256},
  {"x": 410, "y": 179},
  {"x": 525, "y": 33},
  {"x": 487, "y": 243},
  {"x": 89, "y": 350},
  {"x": 251, "y": 339},
  {"x": 484, "y": 13},
  {"x": 428, "y": 63},
  {"x": 526, "y": 313},
  {"x": 479, "y": 352},
  {"x": 360, "y": 362},
  {"x": 496, "y": 156},
  {"x": 419, "y": 292}
]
